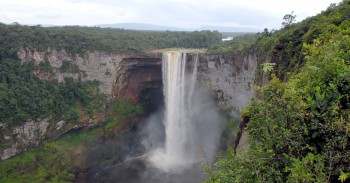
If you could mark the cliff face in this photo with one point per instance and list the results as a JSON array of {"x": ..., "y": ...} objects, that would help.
[
  {"x": 24, "y": 136},
  {"x": 135, "y": 75},
  {"x": 139, "y": 76},
  {"x": 118, "y": 73},
  {"x": 141, "y": 79},
  {"x": 230, "y": 78},
  {"x": 91, "y": 66}
]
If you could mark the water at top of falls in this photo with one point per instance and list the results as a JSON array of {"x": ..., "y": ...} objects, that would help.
[{"x": 178, "y": 87}]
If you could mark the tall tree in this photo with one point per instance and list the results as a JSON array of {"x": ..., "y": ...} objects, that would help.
[{"x": 288, "y": 19}]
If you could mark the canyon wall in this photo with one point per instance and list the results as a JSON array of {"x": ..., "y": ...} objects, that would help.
[
  {"x": 102, "y": 66},
  {"x": 136, "y": 75},
  {"x": 229, "y": 77}
]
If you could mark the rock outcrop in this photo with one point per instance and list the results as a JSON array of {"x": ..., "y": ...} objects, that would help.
[
  {"x": 25, "y": 136},
  {"x": 230, "y": 78},
  {"x": 113, "y": 70},
  {"x": 99, "y": 66}
]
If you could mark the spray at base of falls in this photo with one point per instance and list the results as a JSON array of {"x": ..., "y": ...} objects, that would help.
[
  {"x": 173, "y": 142},
  {"x": 192, "y": 127}
]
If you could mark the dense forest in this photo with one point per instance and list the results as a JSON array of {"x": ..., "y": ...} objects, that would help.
[
  {"x": 299, "y": 122},
  {"x": 76, "y": 39},
  {"x": 23, "y": 96}
]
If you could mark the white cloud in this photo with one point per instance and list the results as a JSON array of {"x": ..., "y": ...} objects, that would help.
[{"x": 182, "y": 13}]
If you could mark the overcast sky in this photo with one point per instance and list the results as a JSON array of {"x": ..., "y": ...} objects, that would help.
[{"x": 176, "y": 13}]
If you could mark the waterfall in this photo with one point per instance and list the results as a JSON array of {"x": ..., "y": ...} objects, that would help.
[
  {"x": 178, "y": 90},
  {"x": 179, "y": 78}
]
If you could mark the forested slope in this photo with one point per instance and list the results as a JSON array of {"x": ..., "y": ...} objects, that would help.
[{"x": 299, "y": 123}]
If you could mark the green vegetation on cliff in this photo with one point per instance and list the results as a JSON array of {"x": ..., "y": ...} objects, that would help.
[
  {"x": 284, "y": 47},
  {"x": 299, "y": 126},
  {"x": 23, "y": 96},
  {"x": 61, "y": 160}
]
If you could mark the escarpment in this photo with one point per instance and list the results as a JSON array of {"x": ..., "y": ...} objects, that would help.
[
  {"x": 230, "y": 78},
  {"x": 138, "y": 76}
]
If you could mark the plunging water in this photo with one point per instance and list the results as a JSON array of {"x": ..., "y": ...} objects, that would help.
[
  {"x": 178, "y": 86},
  {"x": 177, "y": 139}
]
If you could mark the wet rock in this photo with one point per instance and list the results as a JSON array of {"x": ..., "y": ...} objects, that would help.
[{"x": 229, "y": 77}]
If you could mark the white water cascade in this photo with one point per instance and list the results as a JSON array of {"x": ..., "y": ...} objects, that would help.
[{"x": 179, "y": 78}]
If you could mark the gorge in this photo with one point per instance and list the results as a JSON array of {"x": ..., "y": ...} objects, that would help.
[
  {"x": 182, "y": 137},
  {"x": 140, "y": 77},
  {"x": 86, "y": 104}
]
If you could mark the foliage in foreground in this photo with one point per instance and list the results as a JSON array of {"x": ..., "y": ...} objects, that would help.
[
  {"x": 284, "y": 47},
  {"x": 299, "y": 130}
]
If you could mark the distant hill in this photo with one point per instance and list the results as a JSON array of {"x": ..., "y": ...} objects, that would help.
[
  {"x": 144, "y": 26},
  {"x": 141, "y": 26}
]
